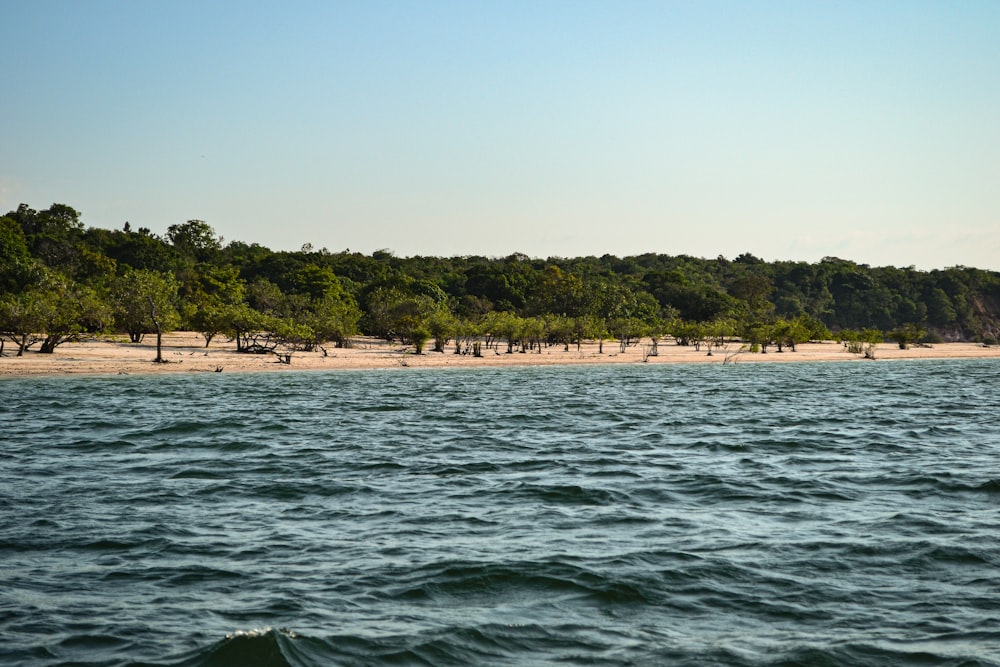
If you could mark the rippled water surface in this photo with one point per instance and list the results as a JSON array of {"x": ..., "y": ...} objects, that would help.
[{"x": 778, "y": 514}]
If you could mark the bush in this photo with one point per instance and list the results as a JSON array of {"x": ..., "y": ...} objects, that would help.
[
  {"x": 907, "y": 334},
  {"x": 418, "y": 337},
  {"x": 932, "y": 338}
]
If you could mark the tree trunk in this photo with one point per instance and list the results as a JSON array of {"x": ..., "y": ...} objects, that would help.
[
  {"x": 159, "y": 333},
  {"x": 49, "y": 345}
]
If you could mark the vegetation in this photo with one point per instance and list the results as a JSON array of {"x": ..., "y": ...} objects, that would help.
[{"x": 60, "y": 280}]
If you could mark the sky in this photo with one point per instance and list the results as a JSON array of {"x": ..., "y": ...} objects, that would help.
[{"x": 868, "y": 131}]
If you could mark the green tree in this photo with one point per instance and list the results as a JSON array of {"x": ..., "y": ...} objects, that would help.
[
  {"x": 862, "y": 341},
  {"x": 131, "y": 294},
  {"x": 20, "y": 319},
  {"x": 333, "y": 317},
  {"x": 558, "y": 293},
  {"x": 940, "y": 311},
  {"x": 791, "y": 333},
  {"x": 686, "y": 332},
  {"x": 907, "y": 334},
  {"x": 247, "y": 327},
  {"x": 562, "y": 330},
  {"x": 504, "y": 325},
  {"x": 627, "y": 331},
  {"x": 209, "y": 319},
  {"x": 590, "y": 327},
  {"x": 717, "y": 331},
  {"x": 18, "y": 268},
  {"x": 66, "y": 309},
  {"x": 53, "y": 235},
  {"x": 442, "y": 326},
  {"x": 195, "y": 239}
]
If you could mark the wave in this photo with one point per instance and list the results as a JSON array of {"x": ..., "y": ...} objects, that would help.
[
  {"x": 542, "y": 517},
  {"x": 532, "y": 643},
  {"x": 263, "y": 647}
]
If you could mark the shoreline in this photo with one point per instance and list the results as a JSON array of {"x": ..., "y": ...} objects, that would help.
[{"x": 185, "y": 352}]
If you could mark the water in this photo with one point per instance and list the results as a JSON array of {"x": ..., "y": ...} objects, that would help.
[{"x": 779, "y": 514}]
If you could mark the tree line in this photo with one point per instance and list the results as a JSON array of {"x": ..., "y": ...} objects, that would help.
[{"x": 60, "y": 280}]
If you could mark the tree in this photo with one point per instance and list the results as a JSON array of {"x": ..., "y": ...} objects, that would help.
[
  {"x": 17, "y": 267},
  {"x": 504, "y": 325},
  {"x": 562, "y": 330},
  {"x": 590, "y": 327},
  {"x": 53, "y": 235},
  {"x": 557, "y": 292},
  {"x": 758, "y": 336},
  {"x": 400, "y": 307},
  {"x": 863, "y": 341},
  {"x": 716, "y": 333},
  {"x": 209, "y": 319},
  {"x": 686, "y": 333},
  {"x": 940, "y": 311},
  {"x": 247, "y": 327},
  {"x": 195, "y": 239},
  {"x": 531, "y": 334},
  {"x": 627, "y": 330},
  {"x": 791, "y": 332},
  {"x": 66, "y": 309},
  {"x": 316, "y": 281},
  {"x": 906, "y": 335},
  {"x": 418, "y": 335},
  {"x": 467, "y": 338},
  {"x": 20, "y": 319},
  {"x": 145, "y": 302},
  {"x": 503, "y": 283},
  {"x": 408, "y": 319},
  {"x": 442, "y": 325},
  {"x": 331, "y": 318}
]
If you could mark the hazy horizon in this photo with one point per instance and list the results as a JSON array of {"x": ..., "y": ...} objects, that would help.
[{"x": 792, "y": 131}]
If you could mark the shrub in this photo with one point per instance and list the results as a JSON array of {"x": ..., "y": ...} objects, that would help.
[{"x": 932, "y": 338}]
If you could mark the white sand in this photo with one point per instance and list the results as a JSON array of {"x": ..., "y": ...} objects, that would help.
[{"x": 185, "y": 352}]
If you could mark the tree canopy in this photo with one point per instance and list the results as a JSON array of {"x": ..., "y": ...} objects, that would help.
[{"x": 60, "y": 279}]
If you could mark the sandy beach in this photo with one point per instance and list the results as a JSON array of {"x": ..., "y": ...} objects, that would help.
[{"x": 185, "y": 352}]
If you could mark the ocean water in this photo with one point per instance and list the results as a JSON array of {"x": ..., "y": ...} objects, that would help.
[{"x": 772, "y": 514}]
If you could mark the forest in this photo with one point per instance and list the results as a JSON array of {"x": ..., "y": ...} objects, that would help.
[{"x": 60, "y": 280}]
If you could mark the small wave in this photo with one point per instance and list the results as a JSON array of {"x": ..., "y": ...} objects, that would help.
[
  {"x": 468, "y": 581},
  {"x": 475, "y": 468},
  {"x": 943, "y": 555},
  {"x": 264, "y": 647},
  {"x": 921, "y": 484},
  {"x": 869, "y": 654},
  {"x": 197, "y": 473},
  {"x": 198, "y": 574},
  {"x": 384, "y": 408},
  {"x": 990, "y": 486},
  {"x": 570, "y": 494},
  {"x": 453, "y": 645}
]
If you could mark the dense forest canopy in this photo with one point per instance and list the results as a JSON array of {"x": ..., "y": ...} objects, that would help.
[{"x": 60, "y": 279}]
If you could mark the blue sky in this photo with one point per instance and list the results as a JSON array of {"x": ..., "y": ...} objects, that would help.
[{"x": 863, "y": 130}]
